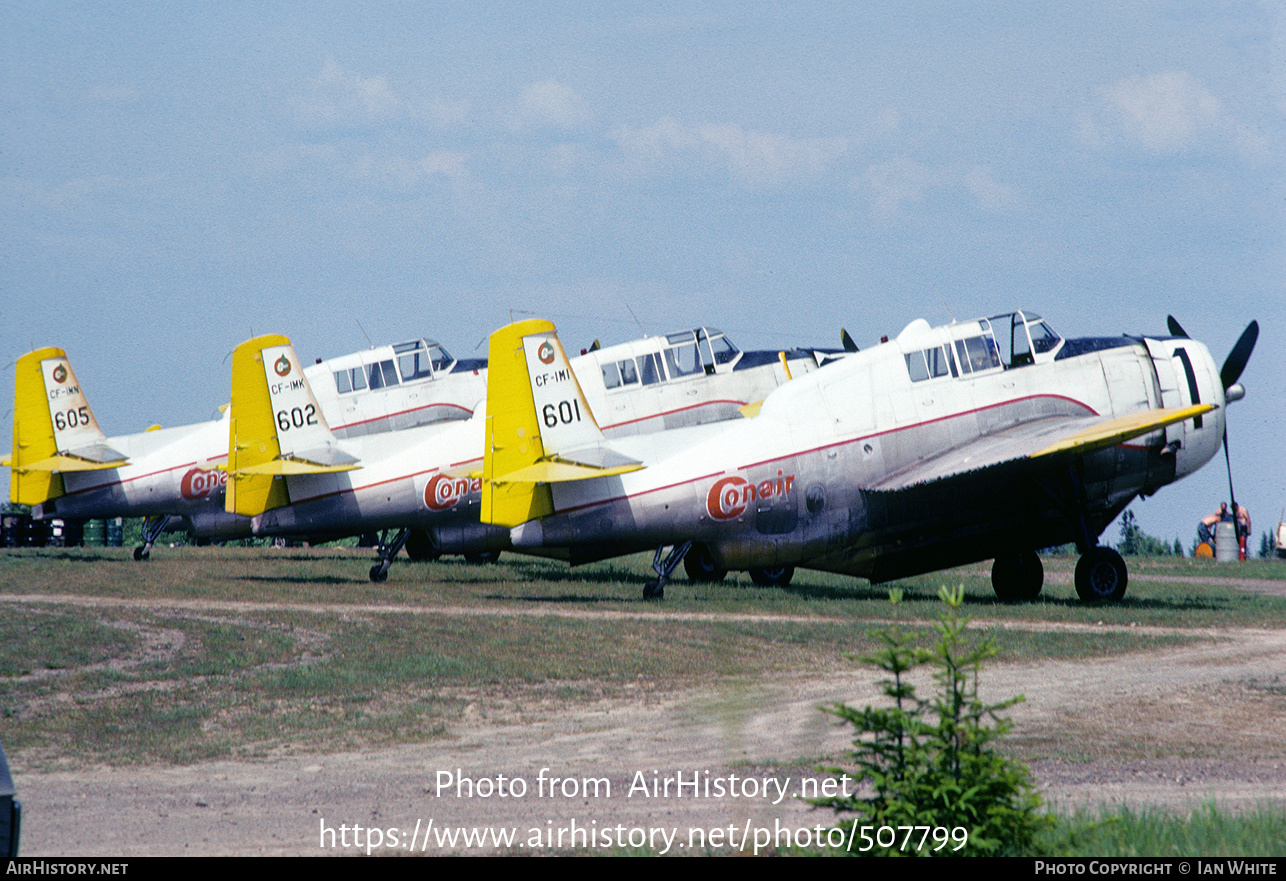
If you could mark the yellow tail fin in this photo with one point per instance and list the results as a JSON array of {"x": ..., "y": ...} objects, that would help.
[
  {"x": 54, "y": 430},
  {"x": 540, "y": 429},
  {"x": 276, "y": 427}
]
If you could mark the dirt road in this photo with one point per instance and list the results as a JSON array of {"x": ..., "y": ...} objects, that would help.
[{"x": 1177, "y": 727}]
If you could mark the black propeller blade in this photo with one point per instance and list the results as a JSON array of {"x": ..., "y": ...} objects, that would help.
[
  {"x": 847, "y": 341},
  {"x": 1240, "y": 354},
  {"x": 1176, "y": 329}
]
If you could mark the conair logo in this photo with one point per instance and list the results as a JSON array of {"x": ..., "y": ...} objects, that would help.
[
  {"x": 199, "y": 483},
  {"x": 546, "y": 352},
  {"x": 282, "y": 366},
  {"x": 60, "y": 373},
  {"x": 443, "y": 492},
  {"x": 729, "y": 496}
]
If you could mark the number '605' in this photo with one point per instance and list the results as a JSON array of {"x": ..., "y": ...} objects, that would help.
[{"x": 71, "y": 418}]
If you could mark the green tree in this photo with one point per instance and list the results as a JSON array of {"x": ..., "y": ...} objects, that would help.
[
  {"x": 1137, "y": 543},
  {"x": 933, "y": 763}
]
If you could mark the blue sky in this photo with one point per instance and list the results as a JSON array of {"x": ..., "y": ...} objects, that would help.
[{"x": 175, "y": 178}]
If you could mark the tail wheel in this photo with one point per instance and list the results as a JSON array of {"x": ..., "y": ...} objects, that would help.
[
  {"x": 1017, "y": 576},
  {"x": 1101, "y": 576},
  {"x": 772, "y": 576},
  {"x": 701, "y": 567},
  {"x": 482, "y": 557}
]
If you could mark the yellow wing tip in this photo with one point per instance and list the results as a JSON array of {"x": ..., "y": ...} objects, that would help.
[{"x": 1123, "y": 428}]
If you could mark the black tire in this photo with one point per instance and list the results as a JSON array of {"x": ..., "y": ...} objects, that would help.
[
  {"x": 419, "y": 547},
  {"x": 379, "y": 574},
  {"x": 482, "y": 557},
  {"x": 1101, "y": 576},
  {"x": 701, "y": 567},
  {"x": 654, "y": 590},
  {"x": 141, "y": 554},
  {"x": 1017, "y": 576},
  {"x": 772, "y": 576}
]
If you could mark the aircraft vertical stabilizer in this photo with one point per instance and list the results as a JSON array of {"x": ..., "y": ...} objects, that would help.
[
  {"x": 540, "y": 428},
  {"x": 512, "y": 434},
  {"x": 252, "y": 438},
  {"x": 53, "y": 429},
  {"x": 276, "y": 428}
]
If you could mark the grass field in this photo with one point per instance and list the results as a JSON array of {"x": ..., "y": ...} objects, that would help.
[
  {"x": 214, "y": 652},
  {"x": 239, "y": 653}
]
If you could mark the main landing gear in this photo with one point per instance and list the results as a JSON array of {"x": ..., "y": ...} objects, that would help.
[
  {"x": 388, "y": 550},
  {"x": 152, "y": 529},
  {"x": 1017, "y": 576},
  {"x": 655, "y": 589},
  {"x": 701, "y": 567},
  {"x": 1101, "y": 576}
]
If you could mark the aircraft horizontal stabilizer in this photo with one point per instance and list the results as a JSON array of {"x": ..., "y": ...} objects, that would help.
[
  {"x": 286, "y": 467},
  {"x": 73, "y": 462},
  {"x": 556, "y": 471}
]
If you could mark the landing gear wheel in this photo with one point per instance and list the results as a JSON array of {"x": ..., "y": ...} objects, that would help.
[
  {"x": 1017, "y": 576},
  {"x": 654, "y": 590},
  {"x": 772, "y": 576},
  {"x": 141, "y": 553},
  {"x": 701, "y": 567},
  {"x": 419, "y": 547},
  {"x": 379, "y": 574},
  {"x": 1101, "y": 576},
  {"x": 482, "y": 557}
]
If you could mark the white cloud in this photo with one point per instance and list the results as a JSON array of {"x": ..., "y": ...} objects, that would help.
[
  {"x": 896, "y": 183},
  {"x": 337, "y": 96},
  {"x": 1168, "y": 113},
  {"x": 446, "y": 163},
  {"x": 901, "y": 182},
  {"x": 550, "y": 103},
  {"x": 1163, "y": 111},
  {"x": 758, "y": 157},
  {"x": 755, "y": 158},
  {"x": 992, "y": 195}
]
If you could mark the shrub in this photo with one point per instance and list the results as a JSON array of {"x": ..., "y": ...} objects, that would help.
[{"x": 934, "y": 762}]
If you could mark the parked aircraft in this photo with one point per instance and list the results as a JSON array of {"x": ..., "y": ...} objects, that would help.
[
  {"x": 425, "y": 483},
  {"x": 64, "y": 466},
  {"x": 948, "y": 445}
]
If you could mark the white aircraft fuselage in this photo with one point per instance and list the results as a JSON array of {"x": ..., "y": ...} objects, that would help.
[
  {"x": 427, "y": 479},
  {"x": 908, "y": 457}
]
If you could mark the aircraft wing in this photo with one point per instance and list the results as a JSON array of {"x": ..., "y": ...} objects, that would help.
[{"x": 1041, "y": 439}]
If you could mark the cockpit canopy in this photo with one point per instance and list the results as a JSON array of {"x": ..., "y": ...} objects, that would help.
[
  {"x": 412, "y": 361},
  {"x": 1012, "y": 339},
  {"x": 696, "y": 352}
]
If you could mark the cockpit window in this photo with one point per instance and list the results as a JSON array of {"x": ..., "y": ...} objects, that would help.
[
  {"x": 650, "y": 368},
  {"x": 611, "y": 375},
  {"x": 419, "y": 359},
  {"x": 683, "y": 360},
  {"x": 1043, "y": 338},
  {"x": 440, "y": 357},
  {"x": 977, "y": 353},
  {"x": 381, "y": 375},
  {"x": 415, "y": 365},
  {"x": 724, "y": 351},
  {"x": 915, "y": 366}
]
